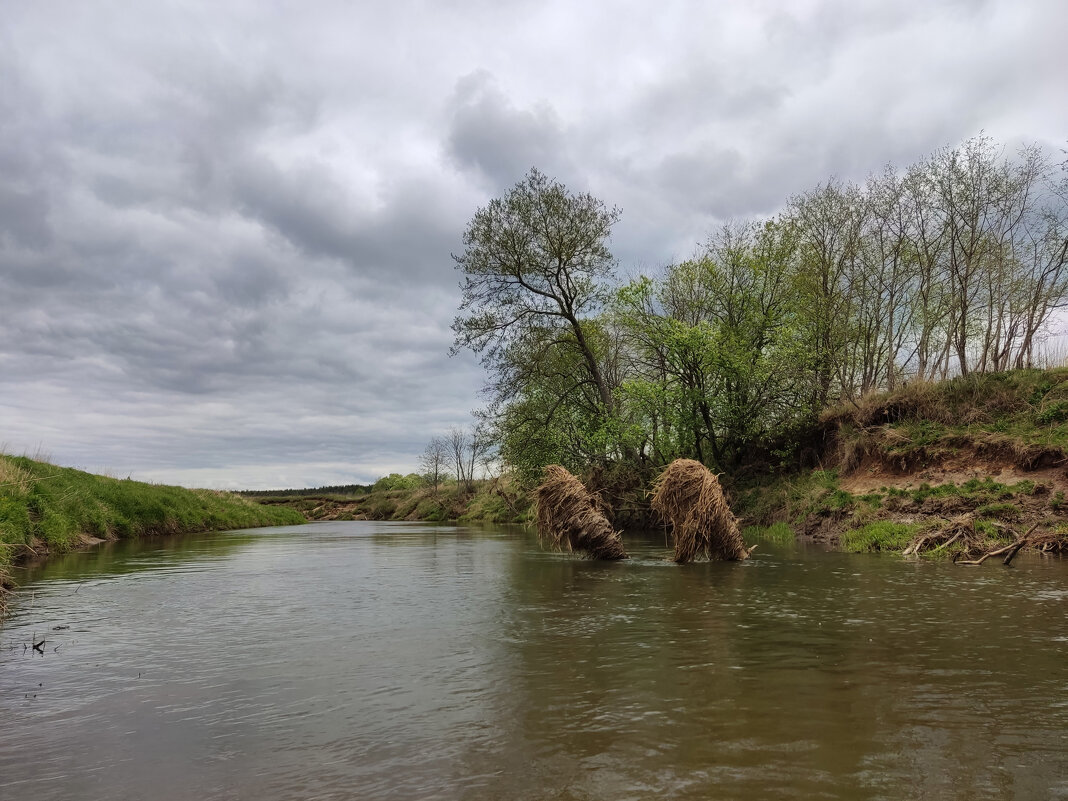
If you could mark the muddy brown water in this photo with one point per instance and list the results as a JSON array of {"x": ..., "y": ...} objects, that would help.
[{"x": 406, "y": 661}]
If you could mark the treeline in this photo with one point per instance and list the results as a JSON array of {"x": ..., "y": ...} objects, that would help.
[
  {"x": 339, "y": 489},
  {"x": 951, "y": 266}
]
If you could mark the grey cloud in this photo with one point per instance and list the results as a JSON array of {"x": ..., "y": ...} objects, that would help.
[
  {"x": 225, "y": 230},
  {"x": 502, "y": 142}
]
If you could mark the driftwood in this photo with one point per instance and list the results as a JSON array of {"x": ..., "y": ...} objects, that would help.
[
  {"x": 1050, "y": 542},
  {"x": 689, "y": 497},
  {"x": 960, "y": 531},
  {"x": 1010, "y": 551},
  {"x": 571, "y": 518}
]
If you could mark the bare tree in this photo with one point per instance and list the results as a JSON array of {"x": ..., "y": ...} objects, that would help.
[
  {"x": 435, "y": 461},
  {"x": 467, "y": 449}
]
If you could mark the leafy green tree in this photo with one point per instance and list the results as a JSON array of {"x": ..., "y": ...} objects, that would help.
[{"x": 535, "y": 259}]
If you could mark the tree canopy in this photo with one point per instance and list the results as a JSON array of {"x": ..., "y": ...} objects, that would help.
[
  {"x": 952, "y": 265},
  {"x": 535, "y": 260}
]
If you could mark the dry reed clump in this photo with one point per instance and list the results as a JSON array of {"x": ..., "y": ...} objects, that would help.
[
  {"x": 570, "y": 518},
  {"x": 689, "y": 497}
]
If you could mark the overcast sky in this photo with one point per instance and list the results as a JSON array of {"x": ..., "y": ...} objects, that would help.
[{"x": 225, "y": 228}]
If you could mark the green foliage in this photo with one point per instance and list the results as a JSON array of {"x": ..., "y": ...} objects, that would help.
[
  {"x": 53, "y": 506},
  {"x": 730, "y": 357},
  {"x": 840, "y": 499},
  {"x": 1054, "y": 414},
  {"x": 881, "y": 535},
  {"x": 777, "y": 532},
  {"x": 395, "y": 481}
]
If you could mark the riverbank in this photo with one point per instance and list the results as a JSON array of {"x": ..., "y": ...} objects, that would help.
[
  {"x": 497, "y": 500},
  {"x": 982, "y": 456},
  {"x": 46, "y": 509}
]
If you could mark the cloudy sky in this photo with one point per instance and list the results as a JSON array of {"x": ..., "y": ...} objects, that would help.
[{"x": 225, "y": 228}]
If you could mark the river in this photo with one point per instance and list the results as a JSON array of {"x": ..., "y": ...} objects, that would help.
[{"x": 363, "y": 660}]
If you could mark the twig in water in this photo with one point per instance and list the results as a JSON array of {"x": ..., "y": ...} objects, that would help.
[{"x": 1011, "y": 550}]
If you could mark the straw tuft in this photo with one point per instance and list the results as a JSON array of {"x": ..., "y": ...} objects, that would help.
[
  {"x": 570, "y": 518},
  {"x": 689, "y": 497}
]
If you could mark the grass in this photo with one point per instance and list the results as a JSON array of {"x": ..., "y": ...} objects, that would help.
[
  {"x": 881, "y": 535},
  {"x": 48, "y": 508},
  {"x": 499, "y": 500},
  {"x": 886, "y": 519},
  {"x": 777, "y": 532},
  {"x": 1019, "y": 417}
]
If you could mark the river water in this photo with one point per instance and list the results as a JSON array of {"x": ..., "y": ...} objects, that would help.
[{"x": 363, "y": 660}]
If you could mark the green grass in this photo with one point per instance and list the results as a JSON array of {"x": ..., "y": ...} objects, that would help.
[
  {"x": 881, "y": 535},
  {"x": 999, "y": 511},
  {"x": 777, "y": 532},
  {"x": 45, "y": 505}
]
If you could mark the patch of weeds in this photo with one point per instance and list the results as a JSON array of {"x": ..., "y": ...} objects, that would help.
[
  {"x": 881, "y": 535},
  {"x": 999, "y": 511},
  {"x": 862, "y": 516},
  {"x": 776, "y": 532},
  {"x": 840, "y": 499},
  {"x": 828, "y": 479},
  {"x": 1053, "y": 414},
  {"x": 1056, "y": 503},
  {"x": 381, "y": 507},
  {"x": 873, "y": 499}
]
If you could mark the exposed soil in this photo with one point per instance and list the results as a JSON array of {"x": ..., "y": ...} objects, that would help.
[
  {"x": 1040, "y": 507},
  {"x": 872, "y": 474}
]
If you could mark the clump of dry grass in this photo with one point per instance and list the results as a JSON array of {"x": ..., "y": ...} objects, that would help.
[
  {"x": 689, "y": 497},
  {"x": 13, "y": 479},
  {"x": 570, "y": 518}
]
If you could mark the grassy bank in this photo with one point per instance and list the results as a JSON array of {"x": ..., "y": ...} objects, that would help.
[
  {"x": 498, "y": 500},
  {"x": 985, "y": 452},
  {"x": 50, "y": 509}
]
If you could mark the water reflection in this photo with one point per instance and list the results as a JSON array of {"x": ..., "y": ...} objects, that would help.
[{"x": 367, "y": 660}]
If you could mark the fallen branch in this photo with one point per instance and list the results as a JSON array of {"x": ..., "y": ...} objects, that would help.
[{"x": 1011, "y": 550}]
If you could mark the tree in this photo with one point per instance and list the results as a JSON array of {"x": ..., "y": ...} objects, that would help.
[
  {"x": 435, "y": 461},
  {"x": 536, "y": 258},
  {"x": 465, "y": 450}
]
